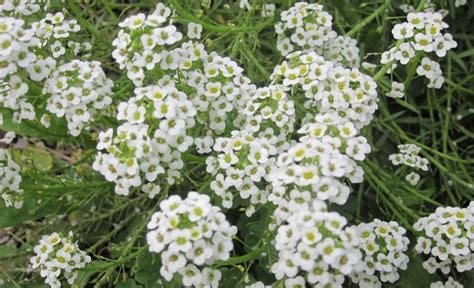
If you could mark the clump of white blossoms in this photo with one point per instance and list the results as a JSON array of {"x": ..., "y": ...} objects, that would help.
[
  {"x": 215, "y": 85},
  {"x": 18, "y": 7},
  {"x": 307, "y": 28},
  {"x": 420, "y": 35},
  {"x": 15, "y": 55},
  {"x": 142, "y": 41},
  {"x": 268, "y": 111},
  {"x": 303, "y": 27},
  {"x": 342, "y": 50},
  {"x": 346, "y": 94},
  {"x": 190, "y": 234},
  {"x": 409, "y": 155},
  {"x": 315, "y": 168},
  {"x": 447, "y": 237},
  {"x": 450, "y": 283},
  {"x": 383, "y": 246},
  {"x": 53, "y": 32},
  {"x": 78, "y": 90},
  {"x": 56, "y": 255},
  {"x": 241, "y": 167},
  {"x": 214, "y": 90},
  {"x": 10, "y": 177},
  {"x": 33, "y": 49},
  {"x": 150, "y": 141},
  {"x": 315, "y": 246}
]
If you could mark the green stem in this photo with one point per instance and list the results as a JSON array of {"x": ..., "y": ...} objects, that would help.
[
  {"x": 244, "y": 258},
  {"x": 78, "y": 14},
  {"x": 185, "y": 15},
  {"x": 367, "y": 20}
]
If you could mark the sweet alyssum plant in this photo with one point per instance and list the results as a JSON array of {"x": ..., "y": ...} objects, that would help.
[{"x": 235, "y": 144}]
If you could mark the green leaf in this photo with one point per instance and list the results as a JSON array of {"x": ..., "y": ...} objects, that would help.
[
  {"x": 31, "y": 156},
  {"x": 467, "y": 53},
  {"x": 56, "y": 132},
  {"x": 32, "y": 128},
  {"x": 128, "y": 284},
  {"x": 415, "y": 275},
  {"x": 147, "y": 270},
  {"x": 33, "y": 208},
  {"x": 458, "y": 60},
  {"x": 407, "y": 105}
]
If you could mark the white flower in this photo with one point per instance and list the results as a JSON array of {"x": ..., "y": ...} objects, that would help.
[
  {"x": 404, "y": 53},
  {"x": 268, "y": 10},
  {"x": 397, "y": 91},
  {"x": 194, "y": 30},
  {"x": 413, "y": 178},
  {"x": 401, "y": 31}
]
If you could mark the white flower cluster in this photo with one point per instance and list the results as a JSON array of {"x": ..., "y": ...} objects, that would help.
[
  {"x": 190, "y": 234},
  {"x": 150, "y": 141},
  {"x": 268, "y": 111},
  {"x": 422, "y": 33},
  {"x": 307, "y": 28},
  {"x": 56, "y": 254},
  {"x": 408, "y": 155},
  {"x": 140, "y": 44},
  {"x": 315, "y": 246},
  {"x": 383, "y": 245},
  {"x": 344, "y": 94},
  {"x": 15, "y": 43},
  {"x": 242, "y": 164},
  {"x": 339, "y": 101},
  {"x": 447, "y": 236},
  {"x": 314, "y": 168},
  {"x": 78, "y": 90},
  {"x": 18, "y": 7},
  {"x": 215, "y": 85},
  {"x": 214, "y": 91},
  {"x": 451, "y": 283},
  {"x": 55, "y": 27},
  {"x": 341, "y": 50},
  {"x": 26, "y": 49},
  {"x": 10, "y": 177}
]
